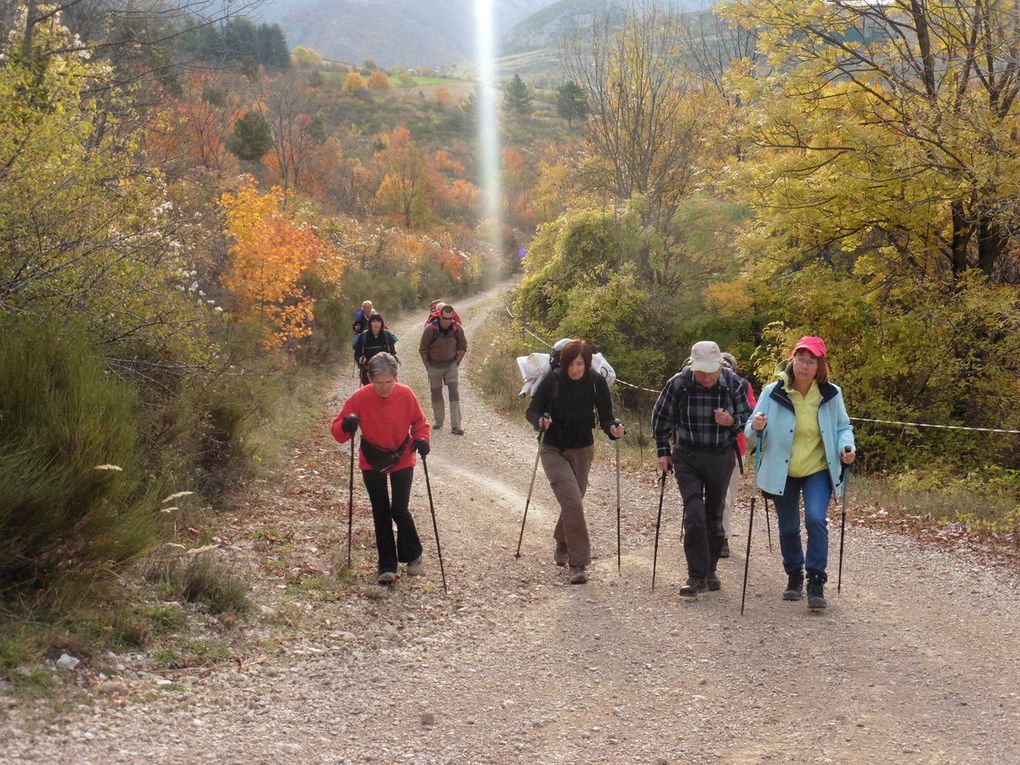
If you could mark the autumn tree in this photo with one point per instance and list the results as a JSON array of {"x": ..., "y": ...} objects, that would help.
[
  {"x": 889, "y": 126},
  {"x": 404, "y": 190},
  {"x": 270, "y": 255},
  {"x": 644, "y": 126},
  {"x": 352, "y": 83},
  {"x": 379, "y": 81},
  {"x": 85, "y": 231},
  {"x": 288, "y": 106}
]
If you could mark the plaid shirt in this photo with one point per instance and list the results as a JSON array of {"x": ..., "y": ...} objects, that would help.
[{"x": 686, "y": 408}]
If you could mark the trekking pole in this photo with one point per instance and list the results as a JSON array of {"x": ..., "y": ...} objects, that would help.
[
  {"x": 617, "y": 507},
  {"x": 658, "y": 520},
  {"x": 768, "y": 523},
  {"x": 350, "y": 505},
  {"x": 435, "y": 526},
  {"x": 747, "y": 553},
  {"x": 757, "y": 464},
  {"x": 534, "y": 472},
  {"x": 844, "y": 479}
]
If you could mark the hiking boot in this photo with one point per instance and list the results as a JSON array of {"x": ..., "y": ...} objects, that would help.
[
  {"x": 815, "y": 596},
  {"x": 387, "y": 577},
  {"x": 414, "y": 567},
  {"x": 714, "y": 583},
  {"x": 724, "y": 551},
  {"x": 577, "y": 575},
  {"x": 695, "y": 584},
  {"x": 437, "y": 426},
  {"x": 560, "y": 554},
  {"x": 457, "y": 431},
  {"x": 794, "y": 586}
]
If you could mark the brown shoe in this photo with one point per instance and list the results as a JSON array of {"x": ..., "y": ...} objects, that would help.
[
  {"x": 577, "y": 575},
  {"x": 560, "y": 554}
]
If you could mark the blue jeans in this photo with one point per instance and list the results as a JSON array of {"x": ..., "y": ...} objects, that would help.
[{"x": 817, "y": 490}]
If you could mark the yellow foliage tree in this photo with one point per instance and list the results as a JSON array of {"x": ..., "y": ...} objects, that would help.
[{"x": 352, "y": 83}]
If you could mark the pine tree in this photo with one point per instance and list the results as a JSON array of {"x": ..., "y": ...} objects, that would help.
[
  {"x": 517, "y": 97},
  {"x": 251, "y": 137},
  {"x": 571, "y": 102}
]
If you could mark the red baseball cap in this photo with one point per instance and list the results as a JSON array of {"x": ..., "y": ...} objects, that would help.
[{"x": 813, "y": 345}]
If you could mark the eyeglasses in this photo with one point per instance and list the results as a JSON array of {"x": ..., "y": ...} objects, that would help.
[
  {"x": 446, "y": 318},
  {"x": 807, "y": 361}
]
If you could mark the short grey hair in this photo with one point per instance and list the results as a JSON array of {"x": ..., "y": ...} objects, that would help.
[
  {"x": 382, "y": 364},
  {"x": 729, "y": 361}
]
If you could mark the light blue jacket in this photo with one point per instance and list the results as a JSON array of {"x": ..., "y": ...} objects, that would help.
[{"x": 777, "y": 441}]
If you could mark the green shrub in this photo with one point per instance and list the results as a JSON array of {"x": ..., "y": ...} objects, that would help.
[{"x": 64, "y": 421}]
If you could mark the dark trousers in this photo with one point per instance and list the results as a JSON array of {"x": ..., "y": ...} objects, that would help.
[
  {"x": 703, "y": 476},
  {"x": 386, "y": 511}
]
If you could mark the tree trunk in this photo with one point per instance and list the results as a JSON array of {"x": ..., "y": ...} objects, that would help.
[
  {"x": 961, "y": 237},
  {"x": 992, "y": 242}
]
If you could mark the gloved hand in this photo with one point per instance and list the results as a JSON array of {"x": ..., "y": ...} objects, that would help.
[
  {"x": 422, "y": 447},
  {"x": 350, "y": 424}
]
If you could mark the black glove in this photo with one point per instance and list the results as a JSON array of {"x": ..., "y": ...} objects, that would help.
[
  {"x": 422, "y": 447},
  {"x": 350, "y": 424}
]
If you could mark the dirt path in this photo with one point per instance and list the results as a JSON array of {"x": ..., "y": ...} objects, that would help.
[{"x": 917, "y": 661}]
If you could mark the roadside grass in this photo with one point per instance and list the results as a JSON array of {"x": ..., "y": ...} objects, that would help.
[
  {"x": 986, "y": 504},
  {"x": 161, "y": 603}
]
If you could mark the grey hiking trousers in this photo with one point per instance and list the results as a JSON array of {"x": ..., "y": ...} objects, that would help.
[{"x": 567, "y": 471}]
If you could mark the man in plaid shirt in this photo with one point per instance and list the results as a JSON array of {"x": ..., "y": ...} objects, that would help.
[{"x": 703, "y": 407}]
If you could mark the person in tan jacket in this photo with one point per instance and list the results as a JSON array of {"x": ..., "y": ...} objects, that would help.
[{"x": 442, "y": 348}]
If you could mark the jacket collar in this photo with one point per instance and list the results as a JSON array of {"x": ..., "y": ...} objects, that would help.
[{"x": 782, "y": 395}]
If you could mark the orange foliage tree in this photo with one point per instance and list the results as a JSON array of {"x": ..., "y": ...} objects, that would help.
[{"x": 270, "y": 254}]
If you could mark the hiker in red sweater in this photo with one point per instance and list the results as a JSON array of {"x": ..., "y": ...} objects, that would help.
[{"x": 393, "y": 427}]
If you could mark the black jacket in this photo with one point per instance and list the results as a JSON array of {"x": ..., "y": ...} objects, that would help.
[
  {"x": 572, "y": 404},
  {"x": 368, "y": 344}
]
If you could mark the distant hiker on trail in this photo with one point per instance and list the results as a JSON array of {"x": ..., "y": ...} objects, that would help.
[
  {"x": 373, "y": 340},
  {"x": 362, "y": 316},
  {"x": 703, "y": 406},
  {"x": 806, "y": 433},
  {"x": 563, "y": 407},
  {"x": 393, "y": 427},
  {"x": 435, "y": 308},
  {"x": 730, "y": 362},
  {"x": 442, "y": 347}
]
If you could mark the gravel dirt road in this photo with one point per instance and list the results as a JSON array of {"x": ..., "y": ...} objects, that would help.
[{"x": 916, "y": 661}]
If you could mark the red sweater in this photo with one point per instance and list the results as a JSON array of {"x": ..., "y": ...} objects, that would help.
[{"x": 385, "y": 422}]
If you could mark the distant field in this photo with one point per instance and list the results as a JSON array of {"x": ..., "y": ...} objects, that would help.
[{"x": 429, "y": 81}]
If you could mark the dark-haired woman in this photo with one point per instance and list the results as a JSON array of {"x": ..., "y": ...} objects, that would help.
[
  {"x": 806, "y": 438},
  {"x": 375, "y": 339},
  {"x": 393, "y": 427},
  {"x": 564, "y": 407}
]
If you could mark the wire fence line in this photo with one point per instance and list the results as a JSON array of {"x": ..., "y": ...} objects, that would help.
[{"x": 897, "y": 423}]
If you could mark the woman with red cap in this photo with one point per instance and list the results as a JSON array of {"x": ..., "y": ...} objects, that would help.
[{"x": 806, "y": 435}]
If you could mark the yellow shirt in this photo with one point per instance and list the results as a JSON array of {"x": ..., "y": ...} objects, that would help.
[{"x": 808, "y": 455}]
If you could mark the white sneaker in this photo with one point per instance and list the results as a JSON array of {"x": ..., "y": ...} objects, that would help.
[{"x": 414, "y": 567}]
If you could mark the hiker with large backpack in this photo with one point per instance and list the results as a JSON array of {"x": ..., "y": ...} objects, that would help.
[
  {"x": 563, "y": 409},
  {"x": 701, "y": 408},
  {"x": 373, "y": 340},
  {"x": 442, "y": 348},
  {"x": 805, "y": 435},
  {"x": 393, "y": 427}
]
